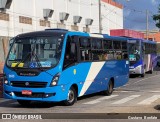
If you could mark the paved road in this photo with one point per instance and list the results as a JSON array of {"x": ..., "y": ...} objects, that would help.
[{"x": 139, "y": 95}]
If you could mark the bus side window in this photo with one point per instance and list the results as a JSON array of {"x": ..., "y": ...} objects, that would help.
[
  {"x": 70, "y": 53},
  {"x": 109, "y": 49},
  {"x": 85, "y": 49}
]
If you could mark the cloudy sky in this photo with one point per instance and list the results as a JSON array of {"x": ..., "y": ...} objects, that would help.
[{"x": 135, "y": 13}]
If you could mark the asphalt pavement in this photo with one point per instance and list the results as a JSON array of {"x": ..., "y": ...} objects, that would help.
[{"x": 139, "y": 95}]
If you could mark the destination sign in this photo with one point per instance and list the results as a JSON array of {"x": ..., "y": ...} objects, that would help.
[{"x": 132, "y": 41}]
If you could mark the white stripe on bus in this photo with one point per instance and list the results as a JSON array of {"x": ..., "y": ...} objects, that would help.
[{"x": 93, "y": 72}]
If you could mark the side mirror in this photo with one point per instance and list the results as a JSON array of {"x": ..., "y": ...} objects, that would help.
[{"x": 11, "y": 42}]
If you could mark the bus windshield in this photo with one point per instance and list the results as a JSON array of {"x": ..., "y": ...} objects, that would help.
[
  {"x": 134, "y": 52},
  {"x": 35, "y": 52}
]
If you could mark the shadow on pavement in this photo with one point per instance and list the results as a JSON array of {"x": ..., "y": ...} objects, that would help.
[{"x": 36, "y": 104}]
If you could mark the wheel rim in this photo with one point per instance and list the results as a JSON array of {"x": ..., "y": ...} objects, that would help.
[{"x": 71, "y": 96}]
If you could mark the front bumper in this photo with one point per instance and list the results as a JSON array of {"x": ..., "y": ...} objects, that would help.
[
  {"x": 54, "y": 94},
  {"x": 136, "y": 70}
]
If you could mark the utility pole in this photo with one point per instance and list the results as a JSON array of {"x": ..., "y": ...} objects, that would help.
[
  {"x": 147, "y": 31},
  {"x": 100, "y": 18}
]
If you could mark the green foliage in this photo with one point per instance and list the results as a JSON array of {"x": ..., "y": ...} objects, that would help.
[{"x": 156, "y": 18}]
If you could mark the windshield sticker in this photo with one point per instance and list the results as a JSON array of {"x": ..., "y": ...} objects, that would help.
[
  {"x": 19, "y": 65},
  {"x": 12, "y": 56},
  {"x": 46, "y": 64},
  {"x": 33, "y": 65}
]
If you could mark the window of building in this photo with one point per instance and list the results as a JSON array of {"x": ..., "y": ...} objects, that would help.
[
  {"x": 4, "y": 16},
  {"x": 25, "y": 20},
  {"x": 45, "y": 23}
]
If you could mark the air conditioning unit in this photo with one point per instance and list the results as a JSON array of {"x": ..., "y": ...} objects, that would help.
[
  {"x": 77, "y": 19},
  {"x": 5, "y": 4},
  {"x": 47, "y": 13},
  {"x": 88, "y": 21},
  {"x": 63, "y": 16}
]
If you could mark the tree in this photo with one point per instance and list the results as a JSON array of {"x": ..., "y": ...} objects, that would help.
[{"x": 156, "y": 18}]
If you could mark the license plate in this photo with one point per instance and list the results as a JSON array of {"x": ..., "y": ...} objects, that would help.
[{"x": 26, "y": 92}]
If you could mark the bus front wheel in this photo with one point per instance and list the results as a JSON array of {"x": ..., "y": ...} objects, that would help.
[
  {"x": 109, "y": 90},
  {"x": 71, "y": 98},
  {"x": 24, "y": 102},
  {"x": 143, "y": 74}
]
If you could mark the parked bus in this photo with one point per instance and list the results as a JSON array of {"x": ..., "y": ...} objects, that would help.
[
  {"x": 142, "y": 56},
  {"x": 59, "y": 65}
]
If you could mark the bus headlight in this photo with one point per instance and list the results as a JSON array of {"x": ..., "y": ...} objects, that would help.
[
  {"x": 55, "y": 80},
  {"x": 6, "y": 82}
]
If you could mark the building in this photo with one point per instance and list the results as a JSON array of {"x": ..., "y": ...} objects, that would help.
[
  {"x": 127, "y": 33},
  {"x": 20, "y": 16},
  {"x": 153, "y": 35}
]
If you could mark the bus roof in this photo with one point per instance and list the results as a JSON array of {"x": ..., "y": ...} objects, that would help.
[{"x": 49, "y": 32}]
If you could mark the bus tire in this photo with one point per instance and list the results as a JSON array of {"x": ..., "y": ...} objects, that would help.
[
  {"x": 24, "y": 102},
  {"x": 151, "y": 71},
  {"x": 143, "y": 74},
  {"x": 71, "y": 98},
  {"x": 109, "y": 90}
]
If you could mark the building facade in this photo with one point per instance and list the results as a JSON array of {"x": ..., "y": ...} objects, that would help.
[{"x": 32, "y": 15}]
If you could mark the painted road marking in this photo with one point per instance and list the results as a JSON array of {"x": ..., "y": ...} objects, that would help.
[
  {"x": 124, "y": 91},
  {"x": 124, "y": 100},
  {"x": 141, "y": 80},
  {"x": 149, "y": 100},
  {"x": 101, "y": 99}
]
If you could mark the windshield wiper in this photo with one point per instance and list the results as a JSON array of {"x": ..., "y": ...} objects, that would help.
[
  {"x": 39, "y": 64},
  {"x": 23, "y": 60}
]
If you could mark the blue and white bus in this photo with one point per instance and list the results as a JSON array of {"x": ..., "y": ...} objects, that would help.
[
  {"x": 142, "y": 56},
  {"x": 59, "y": 65}
]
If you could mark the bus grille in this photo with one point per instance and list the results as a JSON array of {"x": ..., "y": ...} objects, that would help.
[
  {"x": 28, "y": 84},
  {"x": 34, "y": 95}
]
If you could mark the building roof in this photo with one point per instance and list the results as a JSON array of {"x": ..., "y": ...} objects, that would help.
[
  {"x": 111, "y": 2},
  {"x": 155, "y": 37},
  {"x": 126, "y": 33}
]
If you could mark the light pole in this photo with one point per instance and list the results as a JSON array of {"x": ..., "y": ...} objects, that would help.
[
  {"x": 100, "y": 19},
  {"x": 147, "y": 24}
]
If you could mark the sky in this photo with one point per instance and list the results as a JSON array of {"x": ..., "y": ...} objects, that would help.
[{"x": 135, "y": 13}]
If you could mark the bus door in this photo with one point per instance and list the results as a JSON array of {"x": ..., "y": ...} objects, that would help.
[{"x": 70, "y": 61}]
